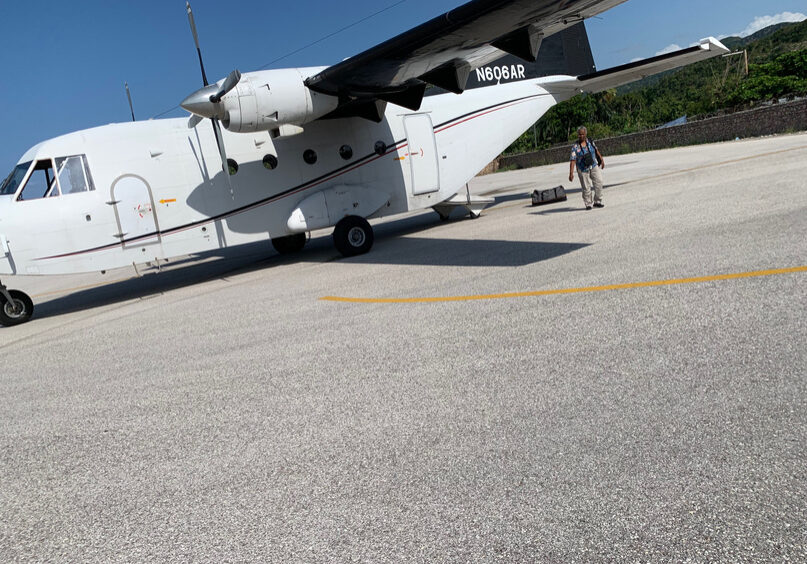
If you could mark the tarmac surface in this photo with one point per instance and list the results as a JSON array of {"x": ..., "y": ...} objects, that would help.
[{"x": 543, "y": 405}]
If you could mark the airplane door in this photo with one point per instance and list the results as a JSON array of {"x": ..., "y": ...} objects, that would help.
[
  {"x": 423, "y": 161},
  {"x": 134, "y": 208}
]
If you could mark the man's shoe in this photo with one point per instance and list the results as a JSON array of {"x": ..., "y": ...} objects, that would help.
[
  {"x": 599, "y": 205},
  {"x": 588, "y": 207}
]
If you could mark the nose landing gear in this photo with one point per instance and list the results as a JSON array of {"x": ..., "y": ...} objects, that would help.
[{"x": 15, "y": 307}]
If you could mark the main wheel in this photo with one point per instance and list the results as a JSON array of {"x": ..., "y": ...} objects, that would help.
[
  {"x": 353, "y": 236},
  {"x": 19, "y": 310},
  {"x": 289, "y": 243}
]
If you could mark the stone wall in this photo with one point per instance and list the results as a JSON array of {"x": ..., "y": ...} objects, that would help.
[{"x": 767, "y": 120}]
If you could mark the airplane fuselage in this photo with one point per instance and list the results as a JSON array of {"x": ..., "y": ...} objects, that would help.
[{"x": 159, "y": 191}]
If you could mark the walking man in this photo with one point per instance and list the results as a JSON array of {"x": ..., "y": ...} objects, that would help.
[{"x": 589, "y": 161}]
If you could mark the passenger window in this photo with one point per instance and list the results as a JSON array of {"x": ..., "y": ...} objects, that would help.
[
  {"x": 74, "y": 176},
  {"x": 41, "y": 183}
]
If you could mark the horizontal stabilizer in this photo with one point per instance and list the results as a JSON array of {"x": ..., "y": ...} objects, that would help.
[{"x": 617, "y": 76}]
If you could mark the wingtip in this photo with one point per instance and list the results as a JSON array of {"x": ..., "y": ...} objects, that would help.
[{"x": 712, "y": 43}]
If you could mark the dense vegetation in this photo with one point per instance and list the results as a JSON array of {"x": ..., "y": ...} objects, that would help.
[{"x": 777, "y": 68}]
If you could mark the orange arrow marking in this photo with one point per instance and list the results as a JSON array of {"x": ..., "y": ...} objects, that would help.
[{"x": 167, "y": 201}]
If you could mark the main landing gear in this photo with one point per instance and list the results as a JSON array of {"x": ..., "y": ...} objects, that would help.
[
  {"x": 353, "y": 236},
  {"x": 15, "y": 307}
]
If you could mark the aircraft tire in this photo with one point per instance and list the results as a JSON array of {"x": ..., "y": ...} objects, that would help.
[
  {"x": 11, "y": 315},
  {"x": 289, "y": 243},
  {"x": 353, "y": 236}
]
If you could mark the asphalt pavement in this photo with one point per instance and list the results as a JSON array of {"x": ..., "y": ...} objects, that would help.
[{"x": 624, "y": 384}]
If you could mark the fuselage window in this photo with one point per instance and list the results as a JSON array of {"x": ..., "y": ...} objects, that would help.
[
  {"x": 41, "y": 183},
  {"x": 12, "y": 182},
  {"x": 74, "y": 175}
]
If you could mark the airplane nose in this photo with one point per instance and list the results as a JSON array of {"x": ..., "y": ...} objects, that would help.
[{"x": 199, "y": 103}]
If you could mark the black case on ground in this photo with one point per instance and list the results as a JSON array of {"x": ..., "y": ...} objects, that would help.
[{"x": 541, "y": 197}]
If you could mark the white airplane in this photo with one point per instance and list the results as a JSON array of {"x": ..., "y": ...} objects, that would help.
[{"x": 400, "y": 127}]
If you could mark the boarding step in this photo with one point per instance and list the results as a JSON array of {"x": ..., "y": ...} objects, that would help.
[{"x": 473, "y": 204}]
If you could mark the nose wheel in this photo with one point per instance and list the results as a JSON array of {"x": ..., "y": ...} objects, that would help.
[{"x": 15, "y": 307}]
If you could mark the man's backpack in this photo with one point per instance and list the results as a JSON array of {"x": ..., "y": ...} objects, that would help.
[{"x": 588, "y": 157}]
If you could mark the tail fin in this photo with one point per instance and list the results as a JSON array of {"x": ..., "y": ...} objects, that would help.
[{"x": 567, "y": 52}]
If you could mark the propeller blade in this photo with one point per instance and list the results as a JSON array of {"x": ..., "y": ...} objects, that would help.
[
  {"x": 229, "y": 83},
  {"x": 199, "y": 103},
  {"x": 220, "y": 143},
  {"x": 196, "y": 40},
  {"x": 225, "y": 167}
]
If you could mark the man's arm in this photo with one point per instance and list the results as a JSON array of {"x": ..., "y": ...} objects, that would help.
[
  {"x": 571, "y": 171},
  {"x": 599, "y": 157}
]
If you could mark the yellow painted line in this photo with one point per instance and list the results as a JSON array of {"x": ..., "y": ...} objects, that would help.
[
  {"x": 570, "y": 290},
  {"x": 168, "y": 201}
]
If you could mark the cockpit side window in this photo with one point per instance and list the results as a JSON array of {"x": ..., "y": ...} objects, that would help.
[
  {"x": 12, "y": 182},
  {"x": 41, "y": 183},
  {"x": 74, "y": 175}
]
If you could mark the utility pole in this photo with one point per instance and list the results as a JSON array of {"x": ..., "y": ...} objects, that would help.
[{"x": 744, "y": 53}]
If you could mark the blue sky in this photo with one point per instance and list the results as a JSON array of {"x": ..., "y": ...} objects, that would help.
[{"x": 64, "y": 64}]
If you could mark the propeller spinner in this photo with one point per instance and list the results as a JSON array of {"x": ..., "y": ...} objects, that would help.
[{"x": 205, "y": 101}]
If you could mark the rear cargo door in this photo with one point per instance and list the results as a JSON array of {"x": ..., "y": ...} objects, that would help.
[{"x": 423, "y": 162}]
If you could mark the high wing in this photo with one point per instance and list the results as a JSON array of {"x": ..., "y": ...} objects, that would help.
[{"x": 444, "y": 50}]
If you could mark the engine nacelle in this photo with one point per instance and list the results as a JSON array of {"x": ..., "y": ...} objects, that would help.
[{"x": 265, "y": 100}]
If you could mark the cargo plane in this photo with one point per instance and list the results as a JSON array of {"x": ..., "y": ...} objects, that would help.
[{"x": 275, "y": 154}]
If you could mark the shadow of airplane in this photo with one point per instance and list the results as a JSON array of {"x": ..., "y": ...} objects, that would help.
[
  {"x": 393, "y": 246},
  {"x": 418, "y": 251}
]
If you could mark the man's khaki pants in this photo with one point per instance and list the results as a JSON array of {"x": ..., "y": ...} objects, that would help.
[{"x": 594, "y": 176}]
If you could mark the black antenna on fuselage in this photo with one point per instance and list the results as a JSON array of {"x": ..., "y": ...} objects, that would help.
[{"x": 129, "y": 95}]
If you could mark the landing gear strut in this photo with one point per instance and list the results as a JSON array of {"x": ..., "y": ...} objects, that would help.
[
  {"x": 15, "y": 307},
  {"x": 353, "y": 236}
]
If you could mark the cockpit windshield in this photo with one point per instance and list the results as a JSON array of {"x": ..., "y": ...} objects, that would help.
[
  {"x": 49, "y": 177},
  {"x": 12, "y": 182}
]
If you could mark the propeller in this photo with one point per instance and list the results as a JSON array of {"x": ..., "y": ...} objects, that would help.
[
  {"x": 229, "y": 83},
  {"x": 204, "y": 103}
]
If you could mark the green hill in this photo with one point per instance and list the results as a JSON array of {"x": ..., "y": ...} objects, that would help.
[{"x": 777, "y": 58}]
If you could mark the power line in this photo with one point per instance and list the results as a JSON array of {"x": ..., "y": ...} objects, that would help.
[{"x": 320, "y": 40}]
